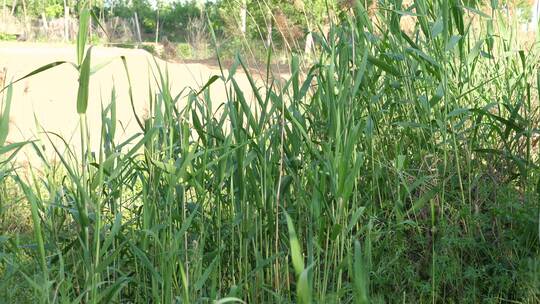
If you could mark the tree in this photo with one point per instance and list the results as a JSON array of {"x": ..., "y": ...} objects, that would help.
[{"x": 66, "y": 21}]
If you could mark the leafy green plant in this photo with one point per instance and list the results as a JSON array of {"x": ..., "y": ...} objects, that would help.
[
  {"x": 399, "y": 167},
  {"x": 184, "y": 50},
  {"x": 149, "y": 48},
  {"x": 7, "y": 37}
]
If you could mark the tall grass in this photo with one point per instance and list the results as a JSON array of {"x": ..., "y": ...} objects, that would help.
[{"x": 400, "y": 167}]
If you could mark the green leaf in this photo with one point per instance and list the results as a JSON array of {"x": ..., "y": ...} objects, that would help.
[
  {"x": 10, "y": 147},
  {"x": 360, "y": 282},
  {"x": 145, "y": 262},
  {"x": 475, "y": 51},
  {"x": 383, "y": 66},
  {"x": 452, "y": 42},
  {"x": 457, "y": 112},
  {"x": 108, "y": 295},
  {"x": 422, "y": 200},
  {"x": 296, "y": 250},
  {"x": 437, "y": 28},
  {"x": 303, "y": 289},
  {"x": 354, "y": 218},
  {"x": 84, "y": 20},
  {"x": 229, "y": 300},
  {"x": 101, "y": 65},
  {"x": 208, "y": 83},
  {"x": 98, "y": 22},
  {"x": 84, "y": 84},
  {"x": 202, "y": 279},
  {"x": 423, "y": 56},
  {"x": 34, "y": 72},
  {"x": 130, "y": 92},
  {"x": 4, "y": 119}
]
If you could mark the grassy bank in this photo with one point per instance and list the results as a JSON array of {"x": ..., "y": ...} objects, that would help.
[{"x": 399, "y": 167}]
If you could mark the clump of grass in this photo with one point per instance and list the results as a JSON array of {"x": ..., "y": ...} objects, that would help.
[
  {"x": 397, "y": 168},
  {"x": 7, "y": 37}
]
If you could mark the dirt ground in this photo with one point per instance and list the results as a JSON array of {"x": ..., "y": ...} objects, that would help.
[{"x": 47, "y": 101}]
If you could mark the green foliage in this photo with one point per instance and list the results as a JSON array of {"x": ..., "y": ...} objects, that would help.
[
  {"x": 4, "y": 118},
  {"x": 176, "y": 17},
  {"x": 7, "y": 37},
  {"x": 173, "y": 16},
  {"x": 149, "y": 48},
  {"x": 34, "y": 8},
  {"x": 397, "y": 168},
  {"x": 184, "y": 50},
  {"x": 54, "y": 10},
  {"x": 287, "y": 16}
]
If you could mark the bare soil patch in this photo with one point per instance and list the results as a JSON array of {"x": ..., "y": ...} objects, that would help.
[{"x": 47, "y": 101}]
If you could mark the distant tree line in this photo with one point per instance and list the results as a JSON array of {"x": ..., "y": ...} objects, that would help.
[
  {"x": 249, "y": 18},
  {"x": 284, "y": 22}
]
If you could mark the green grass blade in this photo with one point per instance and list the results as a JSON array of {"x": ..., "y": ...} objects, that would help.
[
  {"x": 4, "y": 118},
  {"x": 84, "y": 21},
  {"x": 34, "y": 72},
  {"x": 296, "y": 249},
  {"x": 84, "y": 84}
]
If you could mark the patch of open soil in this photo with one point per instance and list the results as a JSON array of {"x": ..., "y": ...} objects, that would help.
[{"x": 47, "y": 101}]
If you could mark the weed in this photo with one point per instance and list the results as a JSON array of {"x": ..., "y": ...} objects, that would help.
[{"x": 400, "y": 167}]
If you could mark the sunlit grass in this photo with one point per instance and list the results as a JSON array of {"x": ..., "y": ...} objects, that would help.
[{"x": 397, "y": 168}]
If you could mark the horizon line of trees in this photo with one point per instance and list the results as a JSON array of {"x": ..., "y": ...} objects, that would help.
[
  {"x": 159, "y": 18},
  {"x": 285, "y": 22}
]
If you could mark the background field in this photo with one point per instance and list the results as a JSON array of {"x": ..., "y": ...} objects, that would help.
[{"x": 45, "y": 101}]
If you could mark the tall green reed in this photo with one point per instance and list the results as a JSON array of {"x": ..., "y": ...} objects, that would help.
[{"x": 387, "y": 171}]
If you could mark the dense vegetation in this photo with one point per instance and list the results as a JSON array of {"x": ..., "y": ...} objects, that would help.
[
  {"x": 172, "y": 19},
  {"x": 245, "y": 26},
  {"x": 400, "y": 166}
]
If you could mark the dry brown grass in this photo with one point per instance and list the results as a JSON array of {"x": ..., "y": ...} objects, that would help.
[{"x": 290, "y": 32}]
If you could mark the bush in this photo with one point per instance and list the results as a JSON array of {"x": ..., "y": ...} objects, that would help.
[
  {"x": 397, "y": 168},
  {"x": 184, "y": 50},
  {"x": 150, "y": 48},
  {"x": 7, "y": 37}
]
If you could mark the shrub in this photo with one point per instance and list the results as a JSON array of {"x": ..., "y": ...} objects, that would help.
[
  {"x": 7, "y": 37},
  {"x": 184, "y": 50},
  {"x": 394, "y": 169}
]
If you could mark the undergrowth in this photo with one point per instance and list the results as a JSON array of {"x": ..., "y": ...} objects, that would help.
[{"x": 399, "y": 167}]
